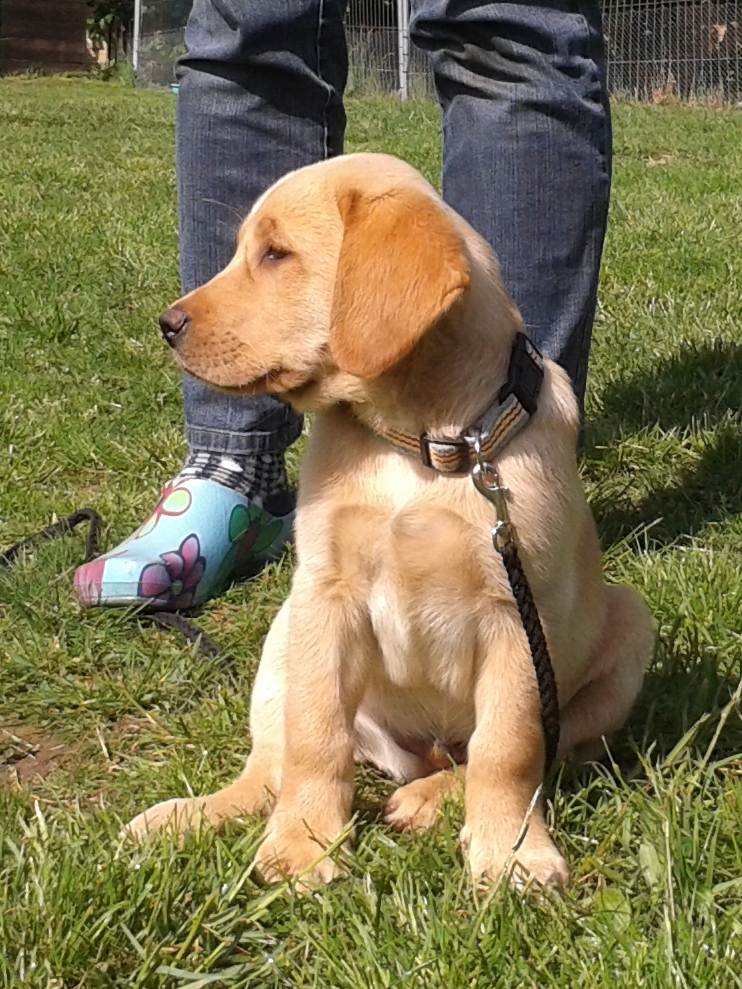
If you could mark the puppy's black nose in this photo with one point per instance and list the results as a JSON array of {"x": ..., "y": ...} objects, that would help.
[{"x": 173, "y": 323}]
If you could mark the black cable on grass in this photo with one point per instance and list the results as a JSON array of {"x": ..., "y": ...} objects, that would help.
[
  {"x": 54, "y": 531},
  {"x": 187, "y": 628}
]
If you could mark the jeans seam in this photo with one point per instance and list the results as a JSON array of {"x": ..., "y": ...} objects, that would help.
[{"x": 325, "y": 123}]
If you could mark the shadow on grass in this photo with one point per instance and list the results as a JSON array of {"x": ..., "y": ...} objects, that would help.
[
  {"x": 700, "y": 386},
  {"x": 675, "y": 698}
]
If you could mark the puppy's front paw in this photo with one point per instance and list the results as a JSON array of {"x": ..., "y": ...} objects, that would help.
[
  {"x": 537, "y": 859},
  {"x": 177, "y": 816},
  {"x": 290, "y": 850}
]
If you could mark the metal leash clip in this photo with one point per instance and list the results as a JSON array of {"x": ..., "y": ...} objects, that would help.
[{"x": 486, "y": 479}]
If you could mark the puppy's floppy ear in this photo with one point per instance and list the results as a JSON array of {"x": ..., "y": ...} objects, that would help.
[{"x": 402, "y": 265}]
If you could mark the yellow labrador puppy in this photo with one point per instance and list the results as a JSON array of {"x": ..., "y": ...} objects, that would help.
[{"x": 357, "y": 294}]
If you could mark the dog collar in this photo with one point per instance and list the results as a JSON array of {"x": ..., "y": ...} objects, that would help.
[{"x": 516, "y": 402}]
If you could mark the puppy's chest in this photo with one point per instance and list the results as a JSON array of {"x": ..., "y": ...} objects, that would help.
[{"x": 420, "y": 573}]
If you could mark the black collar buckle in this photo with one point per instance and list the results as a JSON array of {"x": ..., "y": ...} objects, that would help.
[{"x": 525, "y": 374}]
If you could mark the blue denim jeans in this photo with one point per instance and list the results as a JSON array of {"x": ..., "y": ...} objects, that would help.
[{"x": 526, "y": 155}]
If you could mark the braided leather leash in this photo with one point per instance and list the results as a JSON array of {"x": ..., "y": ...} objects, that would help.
[
  {"x": 165, "y": 619},
  {"x": 547, "y": 687},
  {"x": 486, "y": 478}
]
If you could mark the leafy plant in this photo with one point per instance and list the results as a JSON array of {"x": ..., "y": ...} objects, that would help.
[{"x": 109, "y": 21}]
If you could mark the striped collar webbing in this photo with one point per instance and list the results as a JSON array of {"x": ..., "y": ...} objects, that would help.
[{"x": 516, "y": 402}]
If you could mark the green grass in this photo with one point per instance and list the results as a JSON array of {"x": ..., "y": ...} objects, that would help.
[{"x": 91, "y": 414}]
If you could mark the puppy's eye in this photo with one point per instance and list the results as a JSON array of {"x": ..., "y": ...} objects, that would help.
[{"x": 274, "y": 255}]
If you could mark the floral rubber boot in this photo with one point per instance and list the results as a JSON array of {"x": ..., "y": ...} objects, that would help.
[{"x": 200, "y": 538}]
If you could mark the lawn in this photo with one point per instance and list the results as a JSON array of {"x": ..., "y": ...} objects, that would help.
[{"x": 102, "y": 714}]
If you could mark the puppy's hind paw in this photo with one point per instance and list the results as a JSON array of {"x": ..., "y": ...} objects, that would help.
[
  {"x": 417, "y": 806},
  {"x": 175, "y": 816}
]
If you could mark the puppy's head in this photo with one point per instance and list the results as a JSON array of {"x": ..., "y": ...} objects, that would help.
[{"x": 340, "y": 269}]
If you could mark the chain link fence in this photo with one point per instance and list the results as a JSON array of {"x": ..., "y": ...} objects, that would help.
[
  {"x": 161, "y": 40},
  {"x": 658, "y": 50},
  {"x": 382, "y": 59},
  {"x": 665, "y": 50}
]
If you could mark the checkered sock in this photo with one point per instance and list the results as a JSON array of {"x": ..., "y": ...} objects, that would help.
[{"x": 259, "y": 477}]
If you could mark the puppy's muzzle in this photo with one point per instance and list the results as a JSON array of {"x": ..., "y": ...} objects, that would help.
[{"x": 174, "y": 324}]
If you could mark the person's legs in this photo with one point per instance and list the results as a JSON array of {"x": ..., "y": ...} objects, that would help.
[
  {"x": 527, "y": 151},
  {"x": 260, "y": 94}
]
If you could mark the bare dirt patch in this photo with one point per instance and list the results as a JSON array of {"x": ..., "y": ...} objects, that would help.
[{"x": 27, "y": 754}]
